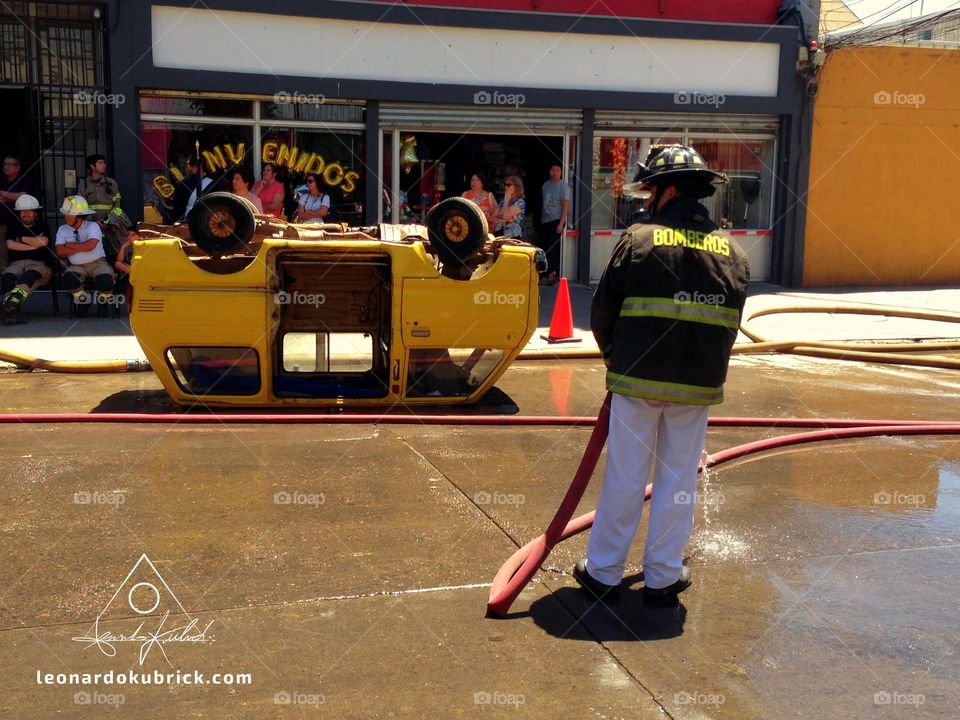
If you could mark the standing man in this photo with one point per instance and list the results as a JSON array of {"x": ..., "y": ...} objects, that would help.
[
  {"x": 665, "y": 316},
  {"x": 103, "y": 197},
  {"x": 80, "y": 243},
  {"x": 553, "y": 220},
  {"x": 12, "y": 186}
]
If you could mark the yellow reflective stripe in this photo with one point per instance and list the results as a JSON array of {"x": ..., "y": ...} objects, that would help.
[
  {"x": 677, "y": 310},
  {"x": 664, "y": 391},
  {"x": 101, "y": 206}
]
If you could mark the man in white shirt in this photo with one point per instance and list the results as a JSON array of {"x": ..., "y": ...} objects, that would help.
[{"x": 80, "y": 243}]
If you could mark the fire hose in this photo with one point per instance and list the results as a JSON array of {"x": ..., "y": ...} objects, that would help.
[{"x": 519, "y": 569}]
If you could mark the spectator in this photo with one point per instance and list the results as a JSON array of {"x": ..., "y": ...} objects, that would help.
[
  {"x": 553, "y": 219},
  {"x": 270, "y": 190},
  {"x": 12, "y": 186},
  {"x": 196, "y": 177},
  {"x": 28, "y": 249},
  {"x": 509, "y": 217},
  {"x": 103, "y": 197},
  {"x": 240, "y": 181},
  {"x": 484, "y": 199},
  {"x": 80, "y": 243},
  {"x": 314, "y": 204}
]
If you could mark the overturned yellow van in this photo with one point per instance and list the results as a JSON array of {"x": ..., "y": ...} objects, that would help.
[{"x": 237, "y": 308}]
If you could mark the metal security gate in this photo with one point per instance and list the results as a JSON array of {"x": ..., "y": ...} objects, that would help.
[{"x": 54, "y": 57}]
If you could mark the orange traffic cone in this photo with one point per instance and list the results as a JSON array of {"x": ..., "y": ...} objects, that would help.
[{"x": 561, "y": 324}]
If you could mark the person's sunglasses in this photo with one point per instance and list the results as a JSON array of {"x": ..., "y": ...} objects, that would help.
[
  {"x": 508, "y": 184},
  {"x": 311, "y": 181}
]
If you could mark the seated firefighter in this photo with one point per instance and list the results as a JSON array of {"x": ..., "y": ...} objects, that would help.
[
  {"x": 80, "y": 243},
  {"x": 27, "y": 249}
]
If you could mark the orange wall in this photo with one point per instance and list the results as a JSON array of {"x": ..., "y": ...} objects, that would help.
[{"x": 884, "y": 193}]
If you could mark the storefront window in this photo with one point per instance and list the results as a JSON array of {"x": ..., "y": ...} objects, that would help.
[
  {"x": 196, "y": 106},
  {"x": 336, "y": 158},
  {"x": 166, "y": 148},
  {"x": 614, "y": 164},
  {"x": 299, "y": 106},
  {"x": 174, "y": 129},
  {"x": 745, "y": 202}
]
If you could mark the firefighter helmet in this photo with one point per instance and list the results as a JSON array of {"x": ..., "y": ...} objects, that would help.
[
  {"x": 26, "y": 202},
  {"x": 672, "y": 162},
  {"x": 76, "y": 205}
]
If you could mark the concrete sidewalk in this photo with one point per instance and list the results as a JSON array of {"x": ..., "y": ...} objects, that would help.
[{"x": 108, "y": 338}]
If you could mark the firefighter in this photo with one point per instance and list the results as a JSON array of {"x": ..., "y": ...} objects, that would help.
[
  {"x": 103, "y": 196},
  {"x": 665, "y": 316}
]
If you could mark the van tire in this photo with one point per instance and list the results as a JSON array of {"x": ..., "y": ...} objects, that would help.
[
  {"x": 457, "y": 229},
  {"x": 221, "y": 223}
]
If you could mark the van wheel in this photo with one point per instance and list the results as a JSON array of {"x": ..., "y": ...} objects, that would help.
[
  {"x": 221, "y": 223},
  {"x": 457, "y": 228}
]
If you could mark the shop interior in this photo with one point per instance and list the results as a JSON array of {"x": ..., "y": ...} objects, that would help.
[{"x": 435, "y": 166}]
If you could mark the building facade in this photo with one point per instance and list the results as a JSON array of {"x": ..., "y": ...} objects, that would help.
[{"x": 397, "y": 105}]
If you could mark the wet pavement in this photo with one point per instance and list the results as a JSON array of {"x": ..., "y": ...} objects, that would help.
[{"x": 346, "y": 568}]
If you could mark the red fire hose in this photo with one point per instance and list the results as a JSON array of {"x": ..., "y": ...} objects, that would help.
[{"x": 520, "y": 567}]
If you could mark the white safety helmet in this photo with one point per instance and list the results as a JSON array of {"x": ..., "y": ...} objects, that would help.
[
  {"x": 76, "y": 205},
  {"x": 26, "y": 202}
]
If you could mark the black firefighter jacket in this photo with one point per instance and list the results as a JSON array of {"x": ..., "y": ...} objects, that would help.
[{"x": 668, "y": 306}]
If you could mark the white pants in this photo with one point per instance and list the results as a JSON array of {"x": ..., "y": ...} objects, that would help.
[{"x": 641, "y": 430}]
